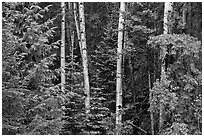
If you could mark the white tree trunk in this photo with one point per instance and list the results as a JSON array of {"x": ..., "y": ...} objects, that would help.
[
  {"x": 150, "y": 98},
  {"x": 63, "y": 48},
  {"x": 72, "y": 57},
  {"x": 119, "y": 71},
  {"x": 167, "y": 10},
  {"x": 184, "y": 15},
  {"x": 84, "y": 57}
]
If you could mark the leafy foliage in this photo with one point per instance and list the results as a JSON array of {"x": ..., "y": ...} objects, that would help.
[
  {"x": 182, "y": 82},
  {"x": 33, "y": 104},
  {"x": 27, "y": 85}
]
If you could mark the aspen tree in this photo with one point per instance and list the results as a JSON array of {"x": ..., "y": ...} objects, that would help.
[
  {"x": 84, "y": 57},
  {"x": 184, "y": 16},
  {"x": 63, "y": 48},
  {"x": 119, "y": 71}
]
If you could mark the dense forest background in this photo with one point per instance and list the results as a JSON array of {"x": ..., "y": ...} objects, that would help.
[{"x": 33, "y": 102}]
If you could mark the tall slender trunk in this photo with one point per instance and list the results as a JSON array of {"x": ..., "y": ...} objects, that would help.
[
  {"x": 68, "y": 49},
  {"x": 70, "y": 5},
  {"x": 77, "y": 26},
  {"x": 63, "y": 48},
  {"x": 72, "y": 57},
  {"x": 84, "y": 56},
  {"x": 167, "y": 10},
  {"x": 69, "y": 27},
  {"x": 70, "y": 37},
  {"x": 119, "y": 71},
  {"x": 150, "y": 98},
  {"x": 184, "y": 17}
]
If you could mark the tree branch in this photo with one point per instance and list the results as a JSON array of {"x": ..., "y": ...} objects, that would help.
[{"x": 139, "y": 128}]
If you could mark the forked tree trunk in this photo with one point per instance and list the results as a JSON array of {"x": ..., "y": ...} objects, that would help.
[
  {"x": 77, "y": 26},
  {"x": 119, "y": 71},
  {"x": 84, "y": 57},
  {"x": 63, "y": 48},
  {"x": 167, "y": 10}
]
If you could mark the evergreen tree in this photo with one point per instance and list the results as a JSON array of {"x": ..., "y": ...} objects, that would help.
[{"x": 155, "y": 100}]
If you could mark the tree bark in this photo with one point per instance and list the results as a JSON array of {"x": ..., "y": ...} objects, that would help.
[
  {"x": 84, "y": 57},
  {"x": 184, "y": 17},
  {"x": 72, "y": 57},
  {"x": 167, "y": 10},
  {"x": 150, "y": 98},
  {"x": 69, "y": 5},
  {"x": 63, "y": 48},
  {"x": 68, "y": 29},
  {"x": 119, "y": 71},
  {"x": 77, "y": 27}
]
